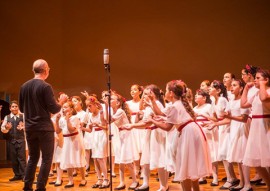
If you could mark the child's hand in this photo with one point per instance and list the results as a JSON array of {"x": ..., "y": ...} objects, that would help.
[
  {"x": 127, "y": 126},
  {"x": 20, "y": 126},
  {"x": 68, "y": 115},
  {"x": 58, "y": 116},
  {"x": 8, "y": 126}
]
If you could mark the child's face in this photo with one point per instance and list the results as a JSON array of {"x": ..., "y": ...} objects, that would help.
[
  {"x": 199, "y": 99},
  {"x": 257, "y": 80},
  {"x": 66, "y": 108},
  {"x": 227, "y": 79},
  {"x": 92, "y": 107},
  {"x": 134, "y": 91},
  {"x": 204, "y": 86},
  {"x": 245, "y": 76},
  {"x": 235, "y": 88},
  {"x": 212, "y": 90},
  {"x": 14, "y": 108},
  {"x": 168, "y": 93},
  {"x": 114, "y": 101},
  {"x": 76, "y": 103}
]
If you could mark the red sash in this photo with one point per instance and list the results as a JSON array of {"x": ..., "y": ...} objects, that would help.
[
  {"x": 260, "y": 116},
  {"x": 185, "y": 124},
  {"x": 71, "y": 134}
]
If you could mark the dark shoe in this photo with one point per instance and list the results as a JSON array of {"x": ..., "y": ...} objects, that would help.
[
  {"x": 120, "y": 188},
  {"x": 113, "y": 175},
  {"x": 51, "y": 175},
  {"x": 235, "y": 182},
  {"x": 81, "y": 185},
  {"x": 75, "y": 174},
  {"x": 69, "y": 186},
  {"x": 224, "y": 179},
  {"x": 54, "y": 171},
  {"x": 213, "y": 184},
  {"x": 171, "y": 174},
  {"x": 133, "y": 188},
  {"x": 58, "y": 184},
  {"x": 203, "y": 182},
  {"x": 52, "y": 182},
  {"x": 176, "y": 181},
  {"x": 255, "y": 181},
  {"x": 142, "y": 189},
  {"x": 157, "y": 179},
  {"x": 235, "y": 188},
  {"x": 224, "y": 188},
  {"x": 96, "y": 186},
  {"x": 260, "y": 183},
  {"x": 105, "y": 186},
  {"x": 15, "y": 178}
]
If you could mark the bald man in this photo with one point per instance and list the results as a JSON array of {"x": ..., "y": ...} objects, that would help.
[{"x": 37, "y": 102}]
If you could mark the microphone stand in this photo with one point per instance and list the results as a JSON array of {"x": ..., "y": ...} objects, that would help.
[{"x": 108, "y": 72}]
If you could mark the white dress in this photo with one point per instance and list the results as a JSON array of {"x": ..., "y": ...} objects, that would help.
[
  {"x": 157, "y": 143},
  {"x": 238, "y": 136},
  {"x": 88, "y": 137},
  {"x": 191, "y": 150},
  {"x": 125, "y": 153},
  {"x": 258, "y": 146},
  {"x": 73, "y": 153},
  {"x": 136, "y": 133},
  {"x": 224, "y": 130},
  {"x": 100, "y": 139},
  {"x": 211, "y": 135}
]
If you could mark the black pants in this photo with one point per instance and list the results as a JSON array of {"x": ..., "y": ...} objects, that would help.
[
  {"x": 39, "y": 141},
  {"x": 18, "y": 157}
]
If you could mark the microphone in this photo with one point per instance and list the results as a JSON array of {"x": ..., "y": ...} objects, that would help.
[{"x": 106, "y": 57}]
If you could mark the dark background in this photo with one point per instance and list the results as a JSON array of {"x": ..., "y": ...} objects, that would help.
[{"x": 150, "y": 41}]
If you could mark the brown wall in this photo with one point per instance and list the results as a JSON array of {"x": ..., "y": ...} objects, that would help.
[{"x": 150, "y": 41}]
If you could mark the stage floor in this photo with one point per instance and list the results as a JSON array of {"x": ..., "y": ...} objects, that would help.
[{"x": 6, "y": 173}]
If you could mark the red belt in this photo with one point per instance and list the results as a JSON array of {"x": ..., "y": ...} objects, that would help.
[
  {"x": 202, "y": 120},
  {"x": 71, "y": 134},
  {"x": 219, "y": 119},
  {"x": 134, "y": 113},
  {"x": 98, "y": 129},
  {"x": 152, "y": 128},
  {"x": 185, "y": 124},
  {"x": 260, "y": 116}
]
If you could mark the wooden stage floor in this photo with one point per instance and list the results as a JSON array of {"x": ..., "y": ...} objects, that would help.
[{"x": 6, "y": 173}]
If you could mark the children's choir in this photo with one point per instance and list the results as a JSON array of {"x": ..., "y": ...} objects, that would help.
[{"x": 154, "y": 130}]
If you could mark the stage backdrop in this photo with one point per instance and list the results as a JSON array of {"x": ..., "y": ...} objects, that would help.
[{"x": 150, "y": 41}]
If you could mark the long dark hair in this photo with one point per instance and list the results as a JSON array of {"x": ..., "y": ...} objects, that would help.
[{"x": 220, "y": 86}]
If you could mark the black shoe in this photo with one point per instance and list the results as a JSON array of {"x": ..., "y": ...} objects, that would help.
[
  {"x": 120, "y": 188},
  {"x": 75, "y": 174},
  {"x": 82, "y": 185},
  {"x": 255, "y": 181},
  {"x": 15, "y": 178},
  {"x": 96, "y": 186},
  {"x": 176, "y": 181},
  {"x": 171, "y": 174},
  {"x": 114, "y": 175},
  {"x": 58, "y": 184},
  {"x": 105, "y": 186},
  {"x": 203, "y": 182},
  {"x": 235, "y": 182},
  {"x": 235, "y": 188},
  {"x": 52, "y": 182},
  {"x": 213, "y": 184},
  {"x": 260, "y": 183},
  {"x": 157, "y": 179},
  {"x": 224, "y": 179},
  {"x": 133, "y": 188},
  {"x": 142, "y": 189},
  {"x": 69, "y": 186}
]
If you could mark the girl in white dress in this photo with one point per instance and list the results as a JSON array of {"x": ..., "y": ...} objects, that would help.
[
  {"x": 154, "y": 150},
  {"x": 191, "y": 155},
  {"x": 73, "y": 153},
  {"x": 204, "y": 113},
  {"x": 221, "y": 107},
  {"x": 258, "y": 146},
  {"x": 81, "y": 114},
  {"x": 125, "y": 156},
  {"x": 248, "y": 75},
  {"x": 237, "y": 118},
  {"x": 137, "y": 134},
  {"x": 97, "y": 125}
]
